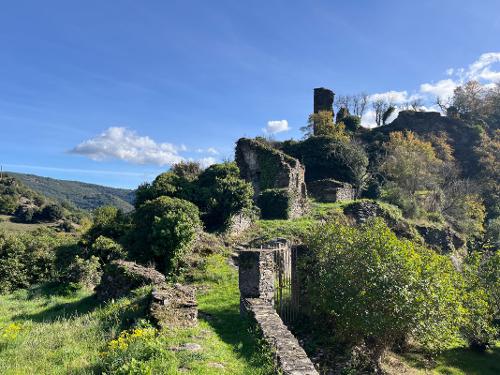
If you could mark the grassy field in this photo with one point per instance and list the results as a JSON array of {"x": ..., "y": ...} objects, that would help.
[
  {"x": 7, "y": 224},
  {"x": 45, "y": 332}
]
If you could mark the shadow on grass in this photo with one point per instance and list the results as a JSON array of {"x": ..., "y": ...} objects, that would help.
[
  {"x": 62, "y": 310},
  {"x": 237, "y": 331},
  {"x": 461, "y": 361}
]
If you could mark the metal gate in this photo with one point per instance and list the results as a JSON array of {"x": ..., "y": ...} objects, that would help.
[{"x": 286, "y": 291}]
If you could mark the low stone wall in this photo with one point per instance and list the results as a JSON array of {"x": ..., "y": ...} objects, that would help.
[
  {"x": 290, "y": 358},
  {"x": 257, "y": 287}
]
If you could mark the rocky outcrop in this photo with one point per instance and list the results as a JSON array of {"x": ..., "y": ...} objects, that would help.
[
  {"x": 120, "y": 277},
  {"x": 267, "y": 168},
  {"x": 461, "y": 137},
  {"x": 238, "y": 223},
  {"x": 330, "y": 190},
  {"x": 445, "y": 239},
  {"x": 361, "y": 211},
  {"x": 173, "y": 306}
]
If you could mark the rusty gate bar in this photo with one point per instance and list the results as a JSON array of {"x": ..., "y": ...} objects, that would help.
[{"x": 286, "y": 296}]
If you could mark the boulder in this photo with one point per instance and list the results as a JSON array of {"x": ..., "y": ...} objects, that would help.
[
  {"x": 120, "y": 277},
  {"x": 445, "y": 239},
  {"x": 173, "y": 306}
]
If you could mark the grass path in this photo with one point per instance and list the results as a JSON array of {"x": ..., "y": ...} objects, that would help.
[{"x": 43, "y": 332}]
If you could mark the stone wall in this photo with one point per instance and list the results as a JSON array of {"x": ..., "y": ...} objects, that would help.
[
  {"x": 266, "y": 168},
  {"x": 173, "y": 306},
  {"x": 330, "y": 190},
  {"x": 257, "y": 286}
]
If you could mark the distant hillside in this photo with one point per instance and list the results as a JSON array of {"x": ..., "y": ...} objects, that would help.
[{"x": 80, "y": 194}]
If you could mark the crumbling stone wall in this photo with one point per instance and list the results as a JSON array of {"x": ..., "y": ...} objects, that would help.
[
  {"x": 266, "y": 168},
  {"x": 173, "y": 306},
  {"x": 256, "y": 281},
  {"x": 330, "y": 190},
  {"x": 120, "y": 277}
]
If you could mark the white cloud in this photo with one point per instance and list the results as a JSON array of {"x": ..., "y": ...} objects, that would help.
[
  {"x": 481, "y": 68},
  {"x": 213, "y": 151},
  {"x": 276, "y": 126},
  {"x": 396, "y": 97},
  {"x": 442, "y": 89},
  {"x": 124, "y": 144},
  {"x": 207, "y": 162},
  {"x": 450, "y": 71}
]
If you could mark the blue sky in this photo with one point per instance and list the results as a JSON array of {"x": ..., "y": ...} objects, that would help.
[{"x": 111, "y": 92}]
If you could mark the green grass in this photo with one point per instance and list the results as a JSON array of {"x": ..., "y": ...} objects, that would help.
[
  {"x": 458, "y": 361},
  {"x": 8, "y": 225},
  {"x": 61, "y": 334}
]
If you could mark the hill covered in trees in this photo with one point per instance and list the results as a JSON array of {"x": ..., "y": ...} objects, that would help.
[{"x": 82, "y": 195}]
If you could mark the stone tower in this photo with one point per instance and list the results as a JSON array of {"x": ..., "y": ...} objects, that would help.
[{"x": 323, "y": 100}]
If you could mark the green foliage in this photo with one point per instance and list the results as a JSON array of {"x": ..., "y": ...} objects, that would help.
[
  {"x": 222, "y": 193},
  {"x": 28, "y": 258},
  {"x": 274, "y": 204},
  {"x": 482, "y": 275},
  {"x": 218, "y": 191},
  {"x": 327, "y": 157},
  {"x": 106, "y": 250},
  {"x": 352, "y": 123},
  {"x": 164, "y": 230},
  {"x": 109, "y": 222},
  {"x": 51, "y": 212},
  {"x": 371, "y": 286}
]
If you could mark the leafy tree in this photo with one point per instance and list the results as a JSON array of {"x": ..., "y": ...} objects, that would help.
[
  {"x": 51, "y": 212},
  {"x": 164, "y": 230},
  {"x": 109, "y": 222},
  {"x": 321, "y": 124},
  {"x": 352, "y": 123},
  {"x": 222, "y": 193},
  {"x": 342, "y": 114},
  {"x": 369, "y": 286},
  {"x": 410, "y": 166},
  {"x": 488, "y": 152}
]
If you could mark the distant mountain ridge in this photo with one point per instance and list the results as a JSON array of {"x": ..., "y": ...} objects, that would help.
[{"x": 80, "y": 194}]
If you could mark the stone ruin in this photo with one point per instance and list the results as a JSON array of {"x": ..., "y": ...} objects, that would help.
[
  {"x": 323, "y": 100},
  {"x": 120, "y": 277},
  {"x": 173, "y": 306},
  {"x": 169, "y": 305},
  {"x": 330, "y": 190},
  {"x": 269, "y": 169}
]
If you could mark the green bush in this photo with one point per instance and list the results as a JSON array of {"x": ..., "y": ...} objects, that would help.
[
  {"x": 352, "y": 123},
  {"x": 274, "y": 204},
  {"x": 106, "y": 250},
  {"x": 108, "y": 221},
  {"x": 222, "y": 193},
  {"x": 329, "y": 157},
  {"x": 82, "y": 273},
  {"x": 51, "y": 212},
  {"x": 28, "y": 258},
  {"x": 372, "y": 288},
  {"x": 164, "y": 230}
]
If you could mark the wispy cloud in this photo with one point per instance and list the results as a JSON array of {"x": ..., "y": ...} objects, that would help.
[{"x": 276, "y": 126}]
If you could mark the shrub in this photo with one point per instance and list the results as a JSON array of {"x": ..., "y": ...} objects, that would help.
[
  {"x": 222, "y": 193},
  {"x": 165, "y": 228},
  {"x": 25, "y": 214},
  {"x": 28, "y": 258},
  {"x": 109, "y": 222},
  {"x": 106, "y": 250},
  {"x": 274, "y": 204},
  {"x": 83, "y": 273},
  {"x": 352, "y": 123},
  {"x": 327, "y": 157},
  {"x": 51, "y": 212},
  {"x": 376, "y": 289}
]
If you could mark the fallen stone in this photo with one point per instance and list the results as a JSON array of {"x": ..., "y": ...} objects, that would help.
[
  {"x": 173, "y": 306},
  {"x": 120, "y": 277}
]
